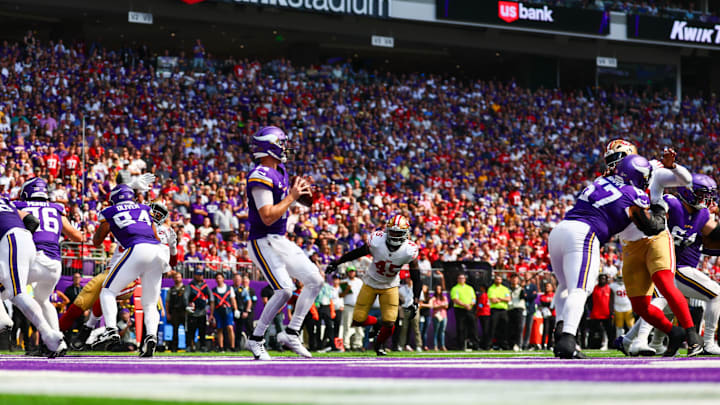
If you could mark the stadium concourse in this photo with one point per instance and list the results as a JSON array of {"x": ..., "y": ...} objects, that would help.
[{"x": 359, "y": 380}]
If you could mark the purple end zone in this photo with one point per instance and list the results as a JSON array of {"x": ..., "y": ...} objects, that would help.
[{"x": 598, "y": 370}]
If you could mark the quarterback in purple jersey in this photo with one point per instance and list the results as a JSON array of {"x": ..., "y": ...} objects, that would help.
[
  {"x": 46, "y": 268},
  {"x": 269, "y": 197},
  {"x": 690, "y": 223},
  {"x": 17, "y": 253},
  {"x": 603, "y": 209},
  {"x": 133, "y": 228}
]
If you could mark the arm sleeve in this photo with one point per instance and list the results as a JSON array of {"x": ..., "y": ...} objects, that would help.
[
  {"x": 262, "y": 197},
  {"x": 363, "y": 250},
  {"x": 663, "y": 177},
  {"x": 415, "y": 276},
  {"x": 652, "y": 225}
]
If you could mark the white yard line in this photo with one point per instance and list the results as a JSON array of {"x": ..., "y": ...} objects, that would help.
[{"x": 346, "y": 391}]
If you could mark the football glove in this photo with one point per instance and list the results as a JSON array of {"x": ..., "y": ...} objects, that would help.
[
  {"x": 142, "y": 183},
  {"x": 412, "y": 311},
  {"x": 331, "y": 267},
  {"x": 236, "y": 314},
  {"x": 31, "y": 223}
]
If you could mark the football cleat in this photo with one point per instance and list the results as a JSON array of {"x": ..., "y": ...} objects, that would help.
[
  {"x": 658, "y": 342},
  {"x": 566, "y": 348},
  {"x": 677, "y": 337},
  {"x": 623, "y": 345},
  {"x": 107, "y": 339},
  {"x": 695, "y": 345},
  {"x": 78, "y": 343},
  {"x": 257, "y": 348},
  {"x": 293, "y": 343},
  {"x": 711, "y": 349},
  {"x": 557, "y": 334},
  {"x": 147, "y": 348},
  {"x": 56, "y": 345},
  {"x": 639, "y": 347}
]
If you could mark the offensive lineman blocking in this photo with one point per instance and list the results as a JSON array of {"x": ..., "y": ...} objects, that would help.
[{"x": 269, "y": 197}]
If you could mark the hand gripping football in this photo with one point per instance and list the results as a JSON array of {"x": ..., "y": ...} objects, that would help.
[{"x": 305, "y": 199}]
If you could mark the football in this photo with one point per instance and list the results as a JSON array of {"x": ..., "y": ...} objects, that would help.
[{"x": 305, "y": 199}]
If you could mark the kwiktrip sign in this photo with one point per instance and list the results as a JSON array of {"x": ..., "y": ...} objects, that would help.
[
  {"x": 673, "y": 31},
  {"x": 368, "y": 8},
  {"x": 525, "y": 15}
]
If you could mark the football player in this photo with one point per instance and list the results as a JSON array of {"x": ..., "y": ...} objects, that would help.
[
  {"x": 168, "y": 237},
  {"x": 17, "y": 253},
  {"x": 269, "y": 198},
  {"x": 390, "y": 250},
  {"x": 690, "y": 223},
  {"x": 649, "y": 260},
  {"x": 605, "y": 208},
  {"x": 46, "y": 268},
  {"x": 131, "y": 225}
]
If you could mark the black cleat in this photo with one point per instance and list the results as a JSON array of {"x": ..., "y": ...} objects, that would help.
[
  {"x": 147, "y": 348},
  {"x": 695, "y": 345},
  {"x": 557, "y": 334},
  {"x": 78, "y": 343},
  {"x": 677, "y": 337},
  {"x": 566, "y": 348},
  {"x": 108, "y": 339}
]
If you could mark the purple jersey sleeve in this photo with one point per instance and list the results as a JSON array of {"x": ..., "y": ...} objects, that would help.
[
  {"x": 686, "y": 228},
  {"x": 277, "y": 182},
  {"x": 9, "y": 217},
  {"x": 130, "y": 224}
]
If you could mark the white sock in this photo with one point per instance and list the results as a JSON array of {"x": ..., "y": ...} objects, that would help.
[
  {"x": 152, "y": 318},
  {"x": 560, "y": 303},
  {"x": 574, "y": 309},
  {"x": 658, "y": 337},
  {"x": 274, "y": 304},
  {"x": 92, "y": 320},
  {"x": 305, "y": 301},
  {"x": 109, "y": 307},
  {"x": 644, "y": 330},
  {"x": 50, "y": 314},
  {"x": 712, "y": 312}
]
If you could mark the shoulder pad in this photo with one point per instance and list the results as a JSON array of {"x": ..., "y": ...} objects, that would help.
[{"x": 412, "y": 250}]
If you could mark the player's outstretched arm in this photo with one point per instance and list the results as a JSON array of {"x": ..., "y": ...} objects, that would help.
[
  {"x": 270, "y": 213},
  {"x": 671, "y": 175},
  {"x": 100, "y": 233},
  {"x": 355, "y": 254},
  {"x": 70, "y": 232}
]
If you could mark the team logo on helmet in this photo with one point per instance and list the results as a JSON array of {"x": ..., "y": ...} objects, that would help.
[
  {"x": 616, "y": 150},
  {"x": 635, "y": 170},
  {"x": 271, "y": 141},
  {"x": 700, "y": 193},
  {"x": 159, "y": 212},
  {"x": 397, "y": 229},
  {"x": 121, "y": 193},
  {"x": 35, "y": 188}
]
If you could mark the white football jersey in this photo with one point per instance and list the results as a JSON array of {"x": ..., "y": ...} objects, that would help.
[
  {"x": 384, "y": 270},
  {"x": 621, "y": 300},
  {"x": 168, "y": 237}
]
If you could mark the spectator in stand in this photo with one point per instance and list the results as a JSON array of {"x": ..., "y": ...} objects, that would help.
[
  {"x": 464, "y": 299},
  {"x": 224, "y": 220},
  {"x": 547, "y": 308},
  {"x": 74, "y": 289},
  {"x": 601, "y": 330},
  {"x": 499, "y": 297},
  {"x": 439, "y": 305},
  {"x": 531, "y": 292},
  {"x": 175, "y": 304},
  {"x": 424, "y": 314},
  {"x": 516, "y": 313},
  {"x": 352, "y": 335}
]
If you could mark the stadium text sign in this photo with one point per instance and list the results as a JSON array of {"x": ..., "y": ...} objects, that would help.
[
  {"x": 368, "y": 8},
  {"x": 140, "y": 18},
  {"x": 525, "y": 15},
  {"x": 381, "y": 41},
  {"x": 669, "y": 30}
]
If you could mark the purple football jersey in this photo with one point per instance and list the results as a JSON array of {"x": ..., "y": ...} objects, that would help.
[
  {"x": 47, "y": 236},
  {"x": 604, "y": 204},
  {"x": 686, "y": 229},
  {"x": 9, "y": 217},
  {"x": 130, "y": 224},
  {"x": 275, "y": 181}
]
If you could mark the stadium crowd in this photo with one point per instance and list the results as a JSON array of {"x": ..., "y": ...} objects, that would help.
[{"x": 483, "y": 169}]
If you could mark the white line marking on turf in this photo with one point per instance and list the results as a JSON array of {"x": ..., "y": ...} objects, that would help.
[{"x": 347, "y": 391}]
